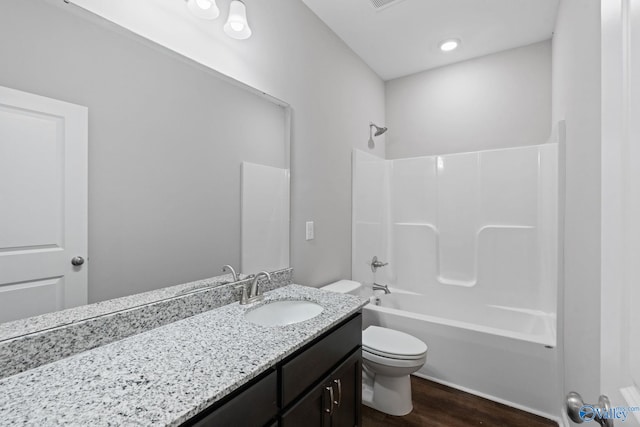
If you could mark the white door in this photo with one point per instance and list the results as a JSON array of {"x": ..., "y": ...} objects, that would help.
[
  {"x": 619, "y": 343},
  {"x": 43, "y": 204}
]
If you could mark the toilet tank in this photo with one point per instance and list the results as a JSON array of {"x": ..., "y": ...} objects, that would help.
[{"x": 344, "y": 287}]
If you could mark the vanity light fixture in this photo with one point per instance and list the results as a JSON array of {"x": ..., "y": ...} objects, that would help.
[
  {"x": 205, "y": 9},
  {"x": 449, "y": 45},
  {"x": 237, "y": 26}
]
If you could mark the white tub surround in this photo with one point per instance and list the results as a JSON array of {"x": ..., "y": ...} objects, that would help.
[
  {"x": 264, "y": 217},
  {"x": 165, "y": 376},
  {"x": 474, "y": 228},
  {"x": 471, "y": 242}
]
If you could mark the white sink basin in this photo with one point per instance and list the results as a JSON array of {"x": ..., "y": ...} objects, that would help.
[{"x": 280, "y": 313}]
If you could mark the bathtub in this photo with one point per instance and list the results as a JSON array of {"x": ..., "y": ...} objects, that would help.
[{"x": 504, "y": 354}]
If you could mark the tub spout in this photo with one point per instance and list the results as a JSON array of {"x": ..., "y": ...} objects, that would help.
[{"x": 378, "y": 287}]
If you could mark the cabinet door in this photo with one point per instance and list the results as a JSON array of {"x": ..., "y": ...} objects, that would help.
[
  {"x": 335, "y": 402},
  {"x": 347, "y": 385},
  {"x": 311, "y": 410},
  {"x": 255, "y": 406}
]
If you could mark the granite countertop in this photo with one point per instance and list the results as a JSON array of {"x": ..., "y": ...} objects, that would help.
[
  {"x": 17, "y": 328},
  {"x": 167, "y": 375}
]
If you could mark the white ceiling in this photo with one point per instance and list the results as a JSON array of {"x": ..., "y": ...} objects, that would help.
[{"x": 403, "y": 37}]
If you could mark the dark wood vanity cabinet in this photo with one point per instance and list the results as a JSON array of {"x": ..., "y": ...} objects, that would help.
[
  {"x": 335, "y": 402},
  {"x": 318, "y": 385}
]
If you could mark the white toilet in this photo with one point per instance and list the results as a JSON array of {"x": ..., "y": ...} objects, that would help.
[{"x": 388, "y": 358}]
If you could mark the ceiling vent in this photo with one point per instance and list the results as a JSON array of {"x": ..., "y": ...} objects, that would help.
[{"x": 383, "y": 4}]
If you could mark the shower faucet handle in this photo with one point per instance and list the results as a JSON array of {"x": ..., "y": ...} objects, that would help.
[{"x": 375, "y": 264}]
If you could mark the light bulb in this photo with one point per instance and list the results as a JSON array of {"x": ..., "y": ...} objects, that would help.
[
  {"x": 204, "y": 4},
  {"x": 205, "y": 9},
  {"x": 237, "y": 26}
]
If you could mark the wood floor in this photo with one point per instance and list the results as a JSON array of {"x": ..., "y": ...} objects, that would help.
[{"x": 435, "y": 405}]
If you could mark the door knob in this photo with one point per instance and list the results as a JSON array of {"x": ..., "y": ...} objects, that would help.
[
  {"x": 580, "y": 412},
  {"x": 77, "y": 261}
]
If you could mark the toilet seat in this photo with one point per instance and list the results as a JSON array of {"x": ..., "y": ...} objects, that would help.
[
  {"x": 392, "y": 344},
  {"x": 392, "y": 355},
  {"x": 394, "y": 363}
]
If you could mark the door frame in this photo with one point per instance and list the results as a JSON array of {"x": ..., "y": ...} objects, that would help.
[{"x": 617, "y": 208}]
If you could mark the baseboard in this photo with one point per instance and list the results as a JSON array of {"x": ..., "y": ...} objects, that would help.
[{"x": 561, "y": 422}]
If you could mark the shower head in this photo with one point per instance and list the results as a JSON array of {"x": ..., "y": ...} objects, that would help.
[{"x": 379, "y": 130}]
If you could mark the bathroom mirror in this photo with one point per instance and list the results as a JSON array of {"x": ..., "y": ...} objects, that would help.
[{"x": 167, "y": 139}]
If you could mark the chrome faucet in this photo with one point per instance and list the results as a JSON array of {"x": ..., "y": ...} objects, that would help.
[
  {"x": 378, "y": 287},
  {"x": 254, "y": 293},
  {"x": 232, "y": 271}
]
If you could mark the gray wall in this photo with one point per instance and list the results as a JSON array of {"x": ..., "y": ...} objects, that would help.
[
  {"x": 577, "y": 99},
  {"x": 495, "y": 101},
  {"x": 166, "y": 139}
]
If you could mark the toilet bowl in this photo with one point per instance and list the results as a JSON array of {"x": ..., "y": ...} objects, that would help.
[{"x": 388, "y": 358}]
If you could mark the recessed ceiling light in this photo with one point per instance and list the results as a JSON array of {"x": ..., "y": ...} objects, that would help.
[{"x": 449, "y": 45}]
